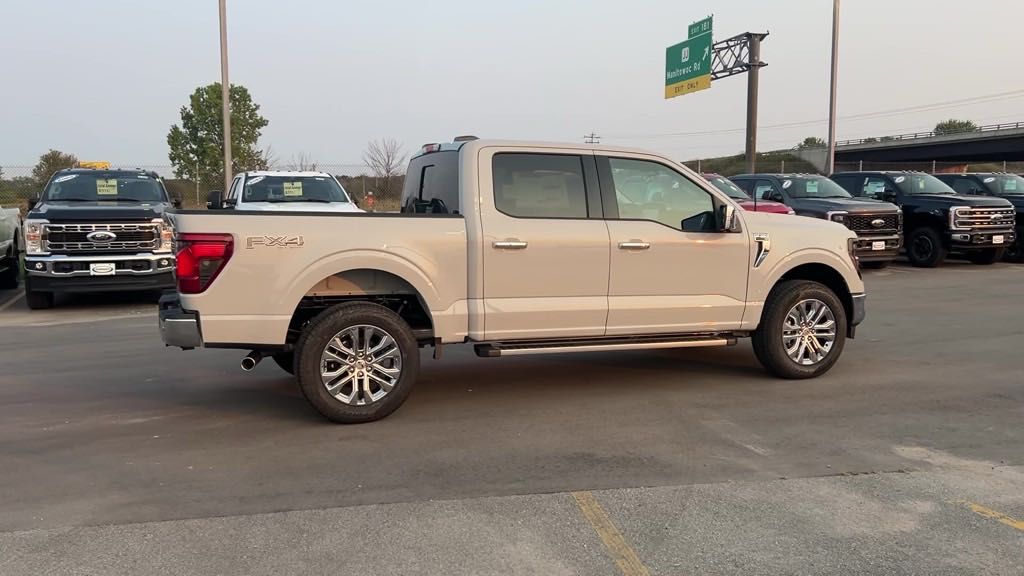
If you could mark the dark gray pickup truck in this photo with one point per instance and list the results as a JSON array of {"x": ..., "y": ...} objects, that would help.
[{"x": 878, "y": 224}]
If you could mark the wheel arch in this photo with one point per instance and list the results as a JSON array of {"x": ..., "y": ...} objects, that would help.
[{"x": 825, "y": 275}]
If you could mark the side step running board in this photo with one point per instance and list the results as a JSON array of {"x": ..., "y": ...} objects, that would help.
[{"x": 498, "y": 349}]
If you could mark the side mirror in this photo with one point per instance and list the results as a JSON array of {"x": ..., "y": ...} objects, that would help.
[
  {"x": 726, "y": 218},
  {"x": 889, "y": 195},
  {"x": 214, "y": 200},
  {"x": 777, "y": 197},
  {"x": 32, "y": 202}
]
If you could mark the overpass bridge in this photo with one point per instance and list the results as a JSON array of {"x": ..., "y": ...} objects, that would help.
[{"x": 992, "y": 143}]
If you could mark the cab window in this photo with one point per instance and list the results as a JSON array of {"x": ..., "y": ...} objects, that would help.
[
  {"x": 539, "y": 185},
  {"x": 766, "y": 190},
  {"x": 647, "y": 190}
]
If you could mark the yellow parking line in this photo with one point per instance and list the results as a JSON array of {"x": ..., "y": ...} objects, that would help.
[
  {"x": 997, "y": 516},
  {"x": 627, "y": 560}
]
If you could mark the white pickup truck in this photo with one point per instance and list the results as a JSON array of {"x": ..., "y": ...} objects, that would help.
[
  {"x": 520, "y": 248},
  {"x": 283, "y": 191},
  {"x": 10, "y": 247}
]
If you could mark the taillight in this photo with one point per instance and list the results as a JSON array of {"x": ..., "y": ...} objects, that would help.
[{"x": 200, "y": 258}]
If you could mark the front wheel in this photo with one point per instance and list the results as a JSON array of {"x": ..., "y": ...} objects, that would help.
[
  {"x": 1015, "y": 252},
  {"x": 357, "y": 362},
  {"x": 986, "y": 257},
  {"x": 802, "y": 331},
  {"x": 924, "y": 248}
]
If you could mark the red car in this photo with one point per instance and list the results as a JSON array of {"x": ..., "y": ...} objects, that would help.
[{"x": 733, "y": 191}]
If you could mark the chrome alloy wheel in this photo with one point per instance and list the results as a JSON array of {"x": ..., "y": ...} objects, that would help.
[
  {"x": 360, "y": 365},
  {"x": 809, "y": 332}
]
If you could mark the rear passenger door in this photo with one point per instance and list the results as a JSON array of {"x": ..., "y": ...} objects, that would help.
[{"x": 545, "y": 246}]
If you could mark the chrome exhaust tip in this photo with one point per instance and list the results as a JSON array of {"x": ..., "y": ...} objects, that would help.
[{"x": 251, "y": 360}]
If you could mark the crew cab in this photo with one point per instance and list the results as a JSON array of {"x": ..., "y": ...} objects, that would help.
[
  {"x": 97, "y": 230},
  {"x": 743, "y": 199},
  {"x": 878, "y": 224},
  {"x": 1008, "y": 186},
  {"x": 516, "y": 248},
  {"x": 938, "y": 220},
  {"x": 281, "y": 191},
  {"x": 10, "y": 237}
]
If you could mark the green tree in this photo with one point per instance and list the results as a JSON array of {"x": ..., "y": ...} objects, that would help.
[
  {"x": 811, "y": 142},
  {"x": 197, "y": 146},
  {"x": 49, "y": 163},
  {"x": 953, "y": 126}
]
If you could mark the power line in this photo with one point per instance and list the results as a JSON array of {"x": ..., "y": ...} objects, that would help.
[{"x": 864, "y": 116}]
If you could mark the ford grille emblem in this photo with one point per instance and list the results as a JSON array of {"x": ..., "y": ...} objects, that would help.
[
  {"x": 878, "y": 222},
  {"x": 101, "y": 237}
]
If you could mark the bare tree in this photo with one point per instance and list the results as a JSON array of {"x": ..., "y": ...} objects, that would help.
[
  {"x": 303, "y": 163},
  {"x": 386, "y": 160}
]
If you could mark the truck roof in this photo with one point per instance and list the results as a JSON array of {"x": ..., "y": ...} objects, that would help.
[
  {"x": 86, "y": 170},
  {"x": 482, "y": 143},
  {"x": 300, "y": 173}
]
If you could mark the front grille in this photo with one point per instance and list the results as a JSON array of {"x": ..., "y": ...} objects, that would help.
[
  {"x": 865, "y": 223},
  {"x": 129, "y": 238},
  {"x": 983, "y": 218}
]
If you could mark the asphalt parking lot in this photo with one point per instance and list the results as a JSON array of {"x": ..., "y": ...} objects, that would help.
[{"x": 118, "y": 456}]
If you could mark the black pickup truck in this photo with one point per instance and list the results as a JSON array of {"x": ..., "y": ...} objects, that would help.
[
  {"x": 97, "y": 230},
  {"x": 878, "y": 224},
  {"x": 938, "y": 220},
  {"x": 1009, "y": 186}
]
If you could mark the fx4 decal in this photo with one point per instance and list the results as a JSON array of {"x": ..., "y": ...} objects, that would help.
[{"x": 271, "y": 241}]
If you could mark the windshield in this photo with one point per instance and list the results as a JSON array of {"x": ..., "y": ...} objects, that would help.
[
  {"x": 1005, "y": 184},
  {"x": 813, "y": 187},
  {"x": 105, "y": 186},
  {"x": 921, "y": 184},
  {"x": 730, "y": 189},
  {"x": 293, "y": 189}
]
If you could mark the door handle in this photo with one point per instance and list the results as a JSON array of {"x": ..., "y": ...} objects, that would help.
[
  {"x": 634, "y": 245},
  {"x": 510, "y": 245}
]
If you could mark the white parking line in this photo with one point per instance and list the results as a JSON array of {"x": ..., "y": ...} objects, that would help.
[{"x": 10, "y": 302}]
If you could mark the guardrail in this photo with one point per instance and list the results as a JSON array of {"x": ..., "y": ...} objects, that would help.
[{"x": 932, "y": 134}]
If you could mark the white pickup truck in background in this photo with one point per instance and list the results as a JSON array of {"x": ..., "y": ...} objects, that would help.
[
  {"x": 10, "y": 247},
  {"x": 283, "y": 191},
  {"x": 519, "y": 248}
]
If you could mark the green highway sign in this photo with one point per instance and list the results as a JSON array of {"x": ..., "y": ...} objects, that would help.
[
  {"x": 688, "y": 66},
  {"x": 700, "y": 27}
]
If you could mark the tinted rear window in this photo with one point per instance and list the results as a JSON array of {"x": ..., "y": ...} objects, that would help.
[{"x": 432, "y": 184}]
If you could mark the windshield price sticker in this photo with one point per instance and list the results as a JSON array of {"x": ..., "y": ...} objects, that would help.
[
  {"x": 1009, "y": 184},
  {"x": 106, "y": 187},
  {"x": 812, "y": 187},
  {"x": 292, "y": 188}
]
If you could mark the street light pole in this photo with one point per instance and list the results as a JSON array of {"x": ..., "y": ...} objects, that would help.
[
  {"x": 830, "y": 162},
  {"x": 225, "y": 94}
]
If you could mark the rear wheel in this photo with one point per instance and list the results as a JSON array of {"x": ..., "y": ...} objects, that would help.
[
  {"x": 987, "y": 256},
  {"x": 802, "y": 331},
  {"x": 357, "y": 362},
  {"x": 925, "y": 249}
]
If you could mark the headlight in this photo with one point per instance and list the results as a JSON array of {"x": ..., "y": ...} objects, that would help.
[
  {"x": 839, "y": 217},
  {"x": 35, "y": 237},
  {"x": 166, "y": 236},
  {"x": 954, "y": 214},
  {"x": 851, "y": 248}
]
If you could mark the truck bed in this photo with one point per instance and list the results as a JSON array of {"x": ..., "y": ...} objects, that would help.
[{"x": 278, "y": 259}]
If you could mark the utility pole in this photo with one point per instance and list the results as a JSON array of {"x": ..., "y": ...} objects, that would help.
[
  {"x": 754, "y": 66},
  {"x": 225, "y": 94},
  {"x": 830, "y": 161},
  {"x": 592, "y": 138}
]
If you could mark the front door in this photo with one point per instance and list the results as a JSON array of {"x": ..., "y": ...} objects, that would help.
[
  {"x": 671, "y": 270},
  {"x": 545, "y": 246}
]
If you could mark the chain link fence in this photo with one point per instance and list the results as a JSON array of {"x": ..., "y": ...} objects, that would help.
[{"x": 371, "y": 193}]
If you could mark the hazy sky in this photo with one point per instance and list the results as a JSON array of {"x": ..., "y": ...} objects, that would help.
[{"x": 105, "y": 79}]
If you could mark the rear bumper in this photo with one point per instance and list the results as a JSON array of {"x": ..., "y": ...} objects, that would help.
[{"x": 178, "y": 327}]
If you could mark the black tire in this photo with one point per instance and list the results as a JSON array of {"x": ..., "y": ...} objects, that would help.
[
  {"x": 767, "y": 339},
  {"x": 924, "y": 248},
  {"x": 986, "y": 257},
  {"x": 322, "y": 329},
  {"x": 1015, "y": 252},
  {"x": 286, "y": 360},
  {"x": 877, "y": 265},
  {"x": 11, "y": 267},
  {"x": 38, "y": 300}
]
